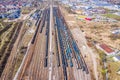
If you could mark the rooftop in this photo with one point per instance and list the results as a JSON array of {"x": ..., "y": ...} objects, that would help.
[
  {"x": 106, "y": 48},
  {"x": 118, "y": 57}
]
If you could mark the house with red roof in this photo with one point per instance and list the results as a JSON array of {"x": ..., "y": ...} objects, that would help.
[
  {"x": 88, "y": 19},
  {"x": 107, "y": 50}
]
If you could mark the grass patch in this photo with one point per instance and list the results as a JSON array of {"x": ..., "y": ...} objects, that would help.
[
  {"x": 101, "y": 54},
  {"x": 26, "y": 10},
  {"x": 113, "y": 68},
  {"x": 113, "y": 16},
  {"x": 102, "y": 58},
  {"x": 18, "y": 63}
]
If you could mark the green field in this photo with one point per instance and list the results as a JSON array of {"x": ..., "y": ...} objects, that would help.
[{"x": 112, "y": 16}]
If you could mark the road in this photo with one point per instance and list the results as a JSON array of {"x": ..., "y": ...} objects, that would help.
[{"x": 50, "y": 37}]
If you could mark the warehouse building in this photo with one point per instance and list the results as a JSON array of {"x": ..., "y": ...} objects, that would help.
[{"x": 107, "y": 50}]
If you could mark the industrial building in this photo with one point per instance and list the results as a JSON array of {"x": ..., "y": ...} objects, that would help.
[{"x": 107, "y": 50}]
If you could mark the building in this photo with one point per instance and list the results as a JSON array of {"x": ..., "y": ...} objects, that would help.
[
  {"x": 116, "y": 31},
  {"x": 88, "y": 19},
  {"x": 116, "y": 58},
  {"x": 107, "y": 50}
]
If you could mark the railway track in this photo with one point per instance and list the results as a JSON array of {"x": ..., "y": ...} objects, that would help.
[
  {"x": 68, "y": 46},
  {"x": 33, "y": 64},
  {"x": 10, "y": 57},
  {"x": 67, "y": 59}
]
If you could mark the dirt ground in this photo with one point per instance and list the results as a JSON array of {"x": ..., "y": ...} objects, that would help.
[{"x": 98, "y": 31}]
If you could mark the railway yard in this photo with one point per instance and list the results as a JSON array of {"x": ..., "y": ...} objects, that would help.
[
  {"x": 63, "y": 62},
  {"x": 59, "y": 40},
  {"x": 44, "y": 48}
]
